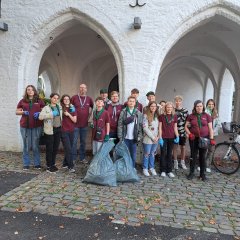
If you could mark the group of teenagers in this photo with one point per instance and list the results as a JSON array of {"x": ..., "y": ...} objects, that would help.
[{"x": 167, "y": 124}]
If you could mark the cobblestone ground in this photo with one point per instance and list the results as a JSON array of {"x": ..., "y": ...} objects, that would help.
[{"x": 212, "y": 206}]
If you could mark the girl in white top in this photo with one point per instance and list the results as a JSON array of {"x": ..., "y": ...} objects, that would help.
[
  {"x": 212, "y": 111},
  {"x": 150, "y": 138}
]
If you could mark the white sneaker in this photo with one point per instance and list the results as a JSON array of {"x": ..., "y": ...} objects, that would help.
[
  {"x": 198, "y": 168},
  {"x": 146, "y": 173},
  {"x": 176, "y": 164},
  {"x": 208, "y": 170},
  {"x": 72, "y": 170},
  {"x": 171, "y": 175},
  {"x": 84, "y": 161},
  {"x": 163, "y": 174},
  {"x": 183, "y": 165},
  {"x": 153, "y": 171}
]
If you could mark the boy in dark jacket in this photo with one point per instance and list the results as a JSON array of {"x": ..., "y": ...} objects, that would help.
[{"x": 130, "y": 127}]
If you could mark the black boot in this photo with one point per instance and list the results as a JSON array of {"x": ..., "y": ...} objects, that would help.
[
  {"x": 190, "y": 176},
  {"x": 203, "y": 178}
]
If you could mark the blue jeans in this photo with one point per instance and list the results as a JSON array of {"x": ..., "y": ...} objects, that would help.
[
  {"x": 132, "y": 147},
  {"x": 30, "y": 138},
  {"x": 67, "y": 139},
  {"x": 149, "y": 155},
  {"x": 82, "y": 132}
]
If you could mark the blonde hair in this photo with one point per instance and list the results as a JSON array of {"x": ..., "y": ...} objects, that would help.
[
  {"x": 164, "y": 110},
  {"x": 178, "y": 97}
]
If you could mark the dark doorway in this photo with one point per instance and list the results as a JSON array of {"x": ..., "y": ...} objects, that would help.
[{"x": 113, "y": 85}]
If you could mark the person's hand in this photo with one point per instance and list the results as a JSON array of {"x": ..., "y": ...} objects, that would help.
[
  {"x": 191, "y": 136},
  {"x": 36, "y": 115},
  {"x": 176, "y": 140},
  {"x": 66, "y": 113},
  {"x": 212, "y": 142},
  {"x": 72, "y": 109},
  {"x": 55, "y": 112},
  {"x": 161, "y": 142},
  {"x": 26, "y": 113},
  {"x": 155, "y": 139},
  {"x": 106, "y": 138}
]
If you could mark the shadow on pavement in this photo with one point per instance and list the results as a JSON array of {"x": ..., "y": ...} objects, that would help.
[{"x": 10, "y": 180}]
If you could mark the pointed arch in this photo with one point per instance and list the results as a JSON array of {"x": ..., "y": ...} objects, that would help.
[
  {"x": 192, "y": 22},
  {"x": 41, "y": 37}
]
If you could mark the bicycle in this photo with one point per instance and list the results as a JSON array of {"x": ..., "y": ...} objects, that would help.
[{"x": 226, "y": 156}]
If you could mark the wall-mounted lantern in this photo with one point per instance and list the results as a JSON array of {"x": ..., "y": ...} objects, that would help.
[
  {"x": 137, "y": 23},
  {"x": 3, "y": 26}
]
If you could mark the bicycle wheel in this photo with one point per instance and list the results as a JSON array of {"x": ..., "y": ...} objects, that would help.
[{"x": 226, "y": 158}]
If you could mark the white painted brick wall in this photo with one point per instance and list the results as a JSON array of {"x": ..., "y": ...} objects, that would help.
[{"x": 138, "y": 53}]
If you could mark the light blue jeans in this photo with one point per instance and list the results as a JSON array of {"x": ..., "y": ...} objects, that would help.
[
  {"x": 30, "y": 138},
  {"x": 149, "y": 155},
  {"x": 82, "y": 132}
]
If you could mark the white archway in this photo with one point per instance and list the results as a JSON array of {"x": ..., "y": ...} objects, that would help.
[
  {"x": 32, "y": 52},
  {"x": 204, "y": 45}
]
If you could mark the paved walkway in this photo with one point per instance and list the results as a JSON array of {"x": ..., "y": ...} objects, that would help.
[{"x": 212, "y": 206}]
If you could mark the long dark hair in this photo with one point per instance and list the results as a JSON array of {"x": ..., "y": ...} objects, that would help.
[
  {"x": 61, "y": 101},
  {"x": 35, "y": 96},
  {"x": 214, "y": 111},
  {"x": 195, "y": 104}
]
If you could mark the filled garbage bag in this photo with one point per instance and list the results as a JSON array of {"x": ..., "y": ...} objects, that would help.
[
  {"x": 123, "y": 164},
  {"x": 101, "y": 170}
]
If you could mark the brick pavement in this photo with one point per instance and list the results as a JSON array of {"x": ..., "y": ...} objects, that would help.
[{"x": 212, "y": 206}]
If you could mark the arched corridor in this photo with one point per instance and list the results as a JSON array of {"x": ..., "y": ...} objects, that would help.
[
  {"x": 78, "y": 55},
  {"x": 198, "y": 65}
]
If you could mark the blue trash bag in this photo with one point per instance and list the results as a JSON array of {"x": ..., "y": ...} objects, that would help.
[
  {"x": 123, "y": 164},
  {"x": 101, "y": 170}
]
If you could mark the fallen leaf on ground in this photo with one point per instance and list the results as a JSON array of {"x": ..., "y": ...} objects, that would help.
[
  {"x": 64, "y": 185},
  {"x": 41, "y": 237},
  {"x": 61, "y": 226},
  {"x": 79, "y": 208},
  {"x": 20, "y": 209},
  {"x": 212, "y": 221}
]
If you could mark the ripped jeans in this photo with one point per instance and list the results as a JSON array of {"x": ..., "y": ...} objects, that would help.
[{"x": 149, "y": 155}]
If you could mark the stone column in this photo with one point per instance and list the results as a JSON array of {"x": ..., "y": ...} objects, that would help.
[{"x": 226, "y": 97}]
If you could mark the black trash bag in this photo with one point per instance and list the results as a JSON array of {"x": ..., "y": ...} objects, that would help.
[
  {"x": 123, "y": 164},
  {"x": 101, "y": 170}
]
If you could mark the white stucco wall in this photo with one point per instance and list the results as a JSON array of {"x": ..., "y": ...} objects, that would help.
[
  {"x": 138, "y": 53},
  {"x": 209, "y": 94},
  {"x": 174, "y": 83}
]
